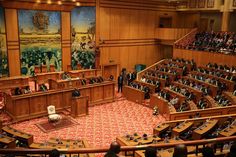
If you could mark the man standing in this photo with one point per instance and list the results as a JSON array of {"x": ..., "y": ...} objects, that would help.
[{"x": 120, "y": 83}]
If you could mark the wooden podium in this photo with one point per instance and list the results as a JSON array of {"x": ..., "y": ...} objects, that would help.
[{"x": 79, "y": 106}]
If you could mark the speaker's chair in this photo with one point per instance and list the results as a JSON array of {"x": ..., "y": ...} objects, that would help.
[{"x": 52, "y": 116}]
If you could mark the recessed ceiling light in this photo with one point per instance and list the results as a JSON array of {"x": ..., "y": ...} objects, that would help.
[
  {"x": 49, "y": 2},
  {"x": 73, "y": 0},
  {"x": 38, "y": 1},
  {"x": 59, "y": 2},
  {"x": 78, "y": 4}
]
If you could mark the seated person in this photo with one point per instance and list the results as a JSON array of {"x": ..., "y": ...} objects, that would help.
[
  {"x": 43, "y": 88},
  {"x": 83, "y": 81},
  {"x": 76, "y": 93},
  {"x": 111, "y": 78},
  {"x": 114, "y": 150},
  {"x": 65, "y": 76},
  {"x": 17, "y": 91},
  {"x": 27, "y": 90}
]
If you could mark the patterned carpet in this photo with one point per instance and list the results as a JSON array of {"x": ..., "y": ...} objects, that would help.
[{"x": 103, "y": 124}]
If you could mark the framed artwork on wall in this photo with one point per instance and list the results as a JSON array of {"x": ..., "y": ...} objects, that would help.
[
  {"x": 40, "y": 41},
  {"x": 210, "y": 3},
  {"x": 4, "y": 70},
  {"x": 201, "y": 3}
]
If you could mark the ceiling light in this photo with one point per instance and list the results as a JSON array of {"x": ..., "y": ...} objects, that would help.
[
  {"x": 49, "y": 2},
  {"x": 78, "y": 4},
  {"x": 73, "y": 0},
  {"x": 38, "y": 1},
  {"x": 59, "y": 2}
]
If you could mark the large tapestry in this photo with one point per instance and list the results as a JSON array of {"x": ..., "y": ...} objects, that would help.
[
  {"x": 83, "y": 37},
  {"x": 40, "y": 41},
  {"x": 3, "y": 48}
]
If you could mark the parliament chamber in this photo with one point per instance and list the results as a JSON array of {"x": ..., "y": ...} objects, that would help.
[{"x": 78, "y": 76}]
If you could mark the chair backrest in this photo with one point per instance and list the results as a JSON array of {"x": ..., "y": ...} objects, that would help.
[{"x": 51, "y": 109}]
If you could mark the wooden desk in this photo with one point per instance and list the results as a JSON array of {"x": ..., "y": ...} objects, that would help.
[
  {"x": 229, "y": 84},
  {"x": 83, "y": 73},
  {"x": 231, "y": 97},
  {"x": 133, "y": 94},
  {"x": 19, "y": 134},
  {"x": 181, "y": 97},
  {"x": 228, "y": 131},
  {"x": 192, "y": 105},
  {"x": 8, "y": 141},
  {"x": 160, "y": 128},
  {"x": 196, "y": 92},
  {"x": 150, "y": 86},
  {"x": 212, "y": 87},
  {"x": 181, "y": 128},
  {"x": 211, "y": 101},
  {"x": 64, "y": 84},
  {"x": 161, "y": 80},
  {"x": 13, "y": 82},
  {"x": 204, "y": 129},
  {"x": 35, "y": 104},
  {"x": 161, "y": 103},
  {"x": 166, "y": 152},
  {"x": 79, "y": 106},
  {"x": 124, "y": 141},
  {"x": 41, "y": 78}
]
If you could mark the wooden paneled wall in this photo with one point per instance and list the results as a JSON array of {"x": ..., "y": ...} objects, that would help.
[
  {"x": 127, "y": 36},
  {"x": 202, "y": 58}
]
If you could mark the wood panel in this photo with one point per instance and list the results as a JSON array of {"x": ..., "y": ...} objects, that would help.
[
  {"x": 12, "y": 42},
  {"x": 171, "y": 33},
  {"x": 127, "y": 36},
  {"x": 66, "y": 43},
  {"x": 202, "y": 58},
  {"x": 27, "y": 106}
]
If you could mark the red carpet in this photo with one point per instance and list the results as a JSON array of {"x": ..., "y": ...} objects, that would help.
[
  {"x": 63, "y": 123},
  {"x": 103, "y": 124}
]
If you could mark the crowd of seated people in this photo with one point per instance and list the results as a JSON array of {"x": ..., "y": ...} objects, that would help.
[
  {"x": 222, "y": 100},
  {"x": 214, "y": 81},
  {"x": 152, "y": 81},
  {"x": 202, "y": 104},
  {"x": 156, "y": 74},
  {"x": 189, "y": 95},
  {"x": 185, "y": 62},
  {"x": 217, "y": 73},
  {"x": 222, "y": 42},
  {"x": 174, "y": 101},
  {"x": 93, "y": 80},
  {"x": 222, "y": 67},
  {"x": 175, "y": 65},
  {"x": 143, "y": 88},
  {"x": 21, "y": 90},
  {"x": 229, "y": 122},
  {"x": 205, "y": 89}
]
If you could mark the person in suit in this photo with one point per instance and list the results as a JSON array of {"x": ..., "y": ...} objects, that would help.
[
  {"x": 113, "y": 150},
  {"x": 18, "y": 91},
  {"x": 180, "y": 151},
  {"x": 150, "y": 152},
  {"x": 120, "y": 83}
]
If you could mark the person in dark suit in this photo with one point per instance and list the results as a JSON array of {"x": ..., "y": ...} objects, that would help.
[
  {"x": 113, "y": 150},
  {"x": 120, "y": 83}
]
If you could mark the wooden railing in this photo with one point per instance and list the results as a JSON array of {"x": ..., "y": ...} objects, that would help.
[
  {"x": 139, "y": 74},
  {"x": 186, "y": 39},
  {"x": 171, "y": 33},
  {"x": 123, "y": 148}
]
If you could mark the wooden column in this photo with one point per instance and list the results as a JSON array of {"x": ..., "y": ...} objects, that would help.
[
  {"x": 13, "y": 45},
  {"x": 66, "y": 40},
  {"x": 225, "y": 21},
  {"x": 225, "y": 16}
]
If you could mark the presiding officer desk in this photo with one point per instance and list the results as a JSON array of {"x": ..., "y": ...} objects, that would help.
[{"x": 27, "y": 106}]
